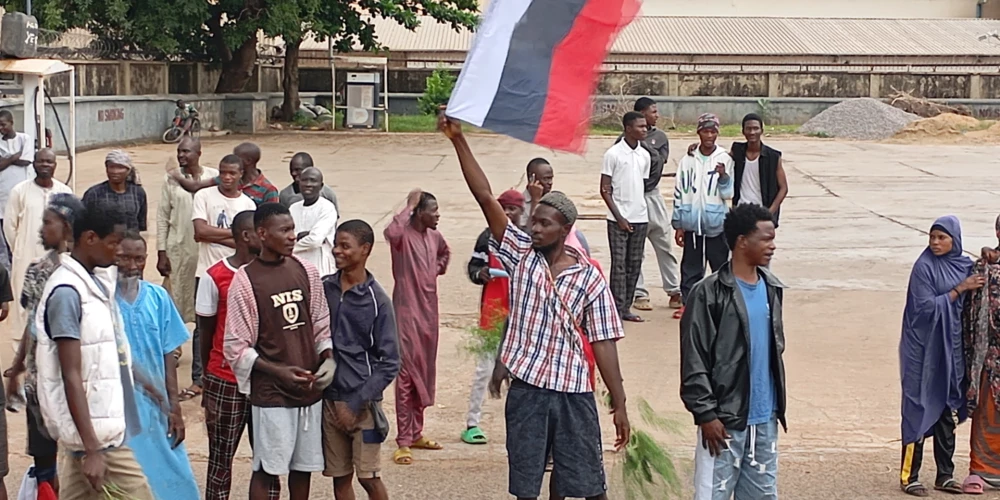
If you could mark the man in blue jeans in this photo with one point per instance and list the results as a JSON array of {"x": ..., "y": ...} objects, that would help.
[{"x": 734, "y": 316}]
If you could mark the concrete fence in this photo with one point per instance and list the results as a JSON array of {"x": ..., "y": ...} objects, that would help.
[{"x": 107, "y": 120}]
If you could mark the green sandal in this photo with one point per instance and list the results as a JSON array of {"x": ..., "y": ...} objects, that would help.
[{"x": 474, "y": 435}]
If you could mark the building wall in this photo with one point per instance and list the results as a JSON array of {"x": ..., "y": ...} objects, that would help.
[{"x": 814, "y": 8}]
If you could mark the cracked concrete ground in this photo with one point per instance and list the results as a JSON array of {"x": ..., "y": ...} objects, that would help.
[{"x": 851, "y": 229}]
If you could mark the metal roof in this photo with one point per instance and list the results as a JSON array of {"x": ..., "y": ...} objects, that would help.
[
  {"x": 41, "y": 67},
  {"x": 760, "y": 36}
]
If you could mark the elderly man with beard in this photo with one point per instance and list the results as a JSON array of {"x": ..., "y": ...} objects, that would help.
[{"x": 154, "y": 329}]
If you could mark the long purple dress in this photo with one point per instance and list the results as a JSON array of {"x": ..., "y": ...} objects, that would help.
[{"x": 418, "y": 258}]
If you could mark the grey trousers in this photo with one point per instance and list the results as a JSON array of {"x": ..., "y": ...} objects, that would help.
[
  {"x": 477, "y": 394},
  {"x": 661, "y": 235}
]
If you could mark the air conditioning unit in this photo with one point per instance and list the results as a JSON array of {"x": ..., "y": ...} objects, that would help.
[{"x": 362, "y": 100}]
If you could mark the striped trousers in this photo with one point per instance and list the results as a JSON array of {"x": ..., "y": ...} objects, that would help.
[
  {"x": 626, "y": 262},
  {"x": 944, "y": 449}
]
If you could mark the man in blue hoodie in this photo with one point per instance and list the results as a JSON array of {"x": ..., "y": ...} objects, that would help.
[
  {"x": 703, "y": 187},
  {"x": 366, "y": 349}
]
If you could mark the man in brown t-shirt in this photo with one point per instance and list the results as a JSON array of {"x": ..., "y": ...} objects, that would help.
[{"x": 277, "y": 341}]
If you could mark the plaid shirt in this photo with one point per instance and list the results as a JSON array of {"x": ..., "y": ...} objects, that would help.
[
  {"x": 132, "y": 202},
  {"x": 542, "y": 347}
]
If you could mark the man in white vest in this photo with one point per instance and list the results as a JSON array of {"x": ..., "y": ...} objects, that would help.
[{"x": 84, "y": 365}]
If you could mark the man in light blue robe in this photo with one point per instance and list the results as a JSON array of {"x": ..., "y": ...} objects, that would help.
[{"x": 155, "y": 330}]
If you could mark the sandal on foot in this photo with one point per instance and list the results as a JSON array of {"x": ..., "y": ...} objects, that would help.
[
  {"x": 675, "y": 301},
  {"x": 426, "y": 444},
  {"x": 678, "y": 314},
  {"x": 973, "y": 485},
  {"x": 634, "y": 318},
  {"x": 190, "y": 393},
  {"x": 474, "y": 435},
  {"x": 642, "y": 304},
  {"x": 949, "y": 486},
  {"x": 403, "y": 456},
  {"x": 916, "y": 489}
]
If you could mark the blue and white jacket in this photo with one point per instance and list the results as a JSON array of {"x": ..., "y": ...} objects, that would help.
[{"x": 699, "y": 195}]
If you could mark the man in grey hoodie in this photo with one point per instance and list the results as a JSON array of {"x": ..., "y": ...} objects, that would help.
[{"x": 366, "y": 349}]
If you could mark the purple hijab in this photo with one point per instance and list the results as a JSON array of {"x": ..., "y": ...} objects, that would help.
[{"x": 931, "y": 362}]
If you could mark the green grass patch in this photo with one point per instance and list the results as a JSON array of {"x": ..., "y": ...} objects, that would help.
[{"x": 428, "y": 123}]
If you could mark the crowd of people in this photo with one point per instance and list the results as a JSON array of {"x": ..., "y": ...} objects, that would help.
[{"x": 295, "y": 341}]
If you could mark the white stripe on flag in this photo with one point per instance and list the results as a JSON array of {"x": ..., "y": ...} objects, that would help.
[{"x": 480, "y": 77}]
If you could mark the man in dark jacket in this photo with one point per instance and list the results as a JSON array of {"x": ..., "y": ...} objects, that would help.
[
  {"x": 734, "y": 316},
  {"x": 366, "y": 349}
]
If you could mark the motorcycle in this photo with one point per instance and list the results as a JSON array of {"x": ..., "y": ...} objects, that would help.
[{"x": 176, "y": 130}]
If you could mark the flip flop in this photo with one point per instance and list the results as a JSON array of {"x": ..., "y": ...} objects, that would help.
[
  {"x": 678, "y": 314},
  {"x": 916, "y": 489},
  {"x": 189, "y": 393},
  {"x": 474, "y": 435},
  {"x": 973, "y": 485},
  {"x": 403, "y": 456},
  {"x": 426, "y": 444},
  {"x": 634, "y": 318},
  {"x": 949, "y": 486}
]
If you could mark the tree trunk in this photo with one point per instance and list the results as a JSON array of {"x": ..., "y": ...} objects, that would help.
[
  {"x": 290, "y": 80},
  {"x": 237, "y": 71}
]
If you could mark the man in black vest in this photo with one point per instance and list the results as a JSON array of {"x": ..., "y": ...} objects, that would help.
[{"x": 760, "y": 175}]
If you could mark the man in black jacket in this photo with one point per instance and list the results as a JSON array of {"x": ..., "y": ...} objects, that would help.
[{"x": 734, "y": 316}]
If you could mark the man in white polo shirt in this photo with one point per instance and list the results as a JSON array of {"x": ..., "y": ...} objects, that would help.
[{"x": 623, "y": 176}]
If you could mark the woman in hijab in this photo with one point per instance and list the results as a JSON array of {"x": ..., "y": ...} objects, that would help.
[
  {"x": 122, "y": 188},
  {"x": 931, "y": 358}
]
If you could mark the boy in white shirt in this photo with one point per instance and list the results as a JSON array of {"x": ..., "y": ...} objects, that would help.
[
  {"x": 623, "y": 176},
  {"x": 315, "y": 223}
]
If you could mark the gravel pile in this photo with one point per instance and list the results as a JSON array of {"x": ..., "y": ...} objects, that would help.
[{"x": 864, "y": 119}]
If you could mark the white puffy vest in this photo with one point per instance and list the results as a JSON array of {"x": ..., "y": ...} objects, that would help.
[{"x": 99, "y": 365}]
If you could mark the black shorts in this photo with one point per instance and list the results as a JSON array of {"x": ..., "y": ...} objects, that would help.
[
  {"x": 40, "y": 445},
  {"x": 540, "y": 423}
]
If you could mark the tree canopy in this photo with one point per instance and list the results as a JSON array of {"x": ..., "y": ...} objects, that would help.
[{"x": 226, "y": 31}]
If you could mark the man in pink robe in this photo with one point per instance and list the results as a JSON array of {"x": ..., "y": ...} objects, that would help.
[{"x": 419, "y": 256}]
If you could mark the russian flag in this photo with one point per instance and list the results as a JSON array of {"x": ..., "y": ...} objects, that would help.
[{"x": 533, "y": 67}]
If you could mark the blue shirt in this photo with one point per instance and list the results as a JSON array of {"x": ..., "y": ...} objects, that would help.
[
  {"x": 154, "y": 329},
  {"x": 761, "y": 381}
]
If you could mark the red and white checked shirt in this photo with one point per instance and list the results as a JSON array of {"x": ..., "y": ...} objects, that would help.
[{"x": 542, "y": 346}]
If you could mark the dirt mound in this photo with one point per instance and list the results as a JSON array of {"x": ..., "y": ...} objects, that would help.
[
  {"x": 864, "y": 118},
  {"x": 925, "y": 107},
  {"x": 944, "y": 124}
]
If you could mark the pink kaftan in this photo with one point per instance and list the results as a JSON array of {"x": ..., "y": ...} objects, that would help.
[{"x": 418, "y": 258}]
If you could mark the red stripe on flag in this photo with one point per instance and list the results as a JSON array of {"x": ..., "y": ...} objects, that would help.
[{"x": 575, "y": 70}]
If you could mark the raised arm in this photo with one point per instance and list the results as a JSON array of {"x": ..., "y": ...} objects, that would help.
[
  {"x": 191, "y": 185},
  {"x": 396, "y": 228},
  {"x": 476, "y": 179}
]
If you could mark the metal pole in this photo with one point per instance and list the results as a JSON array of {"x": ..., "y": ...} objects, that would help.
[
  {"x": 385, "y": 95},
  {"x": 27, "y": 7},
  {"x": 71, "y": 147},
  {"x": 333, "y": 84}
]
